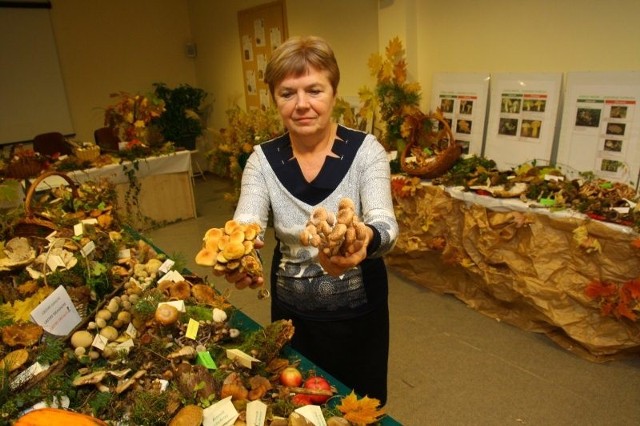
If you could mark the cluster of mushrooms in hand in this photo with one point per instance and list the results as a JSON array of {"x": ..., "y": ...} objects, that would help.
[
  {"x": 340, "y": 233},
  {"x": 231, "y": 249}
]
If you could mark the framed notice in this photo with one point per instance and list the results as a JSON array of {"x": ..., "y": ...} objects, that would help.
[
  {"x": 462, "y": 98},
  {"x": 600, "y": 125},
  {"x": 522, "y": 118},
  {"x": 262, "y": 29}
]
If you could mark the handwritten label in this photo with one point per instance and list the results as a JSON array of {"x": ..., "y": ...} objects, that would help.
[
  {"x": 27, "y": 374},
  {"x": 256, "y": 413},
  {"x": 131, "y": 331},
  {"x": 88, "y": 248},
  {"x": 222, "y": 413},
  {"x": 56, "y": 314},
  {"x": 166, "y": 266},
  {"x": 172, "y": 276},
  {"x": 99, "y": 342},
  {"x": 242, "y": 358},
  {"x": 313, "y": 413}
]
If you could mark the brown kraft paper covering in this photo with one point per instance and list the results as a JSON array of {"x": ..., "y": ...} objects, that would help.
[{"x": 522, "y": 268}]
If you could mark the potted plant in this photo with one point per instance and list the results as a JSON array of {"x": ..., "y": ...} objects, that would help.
[{"x": 183, "y": 119}]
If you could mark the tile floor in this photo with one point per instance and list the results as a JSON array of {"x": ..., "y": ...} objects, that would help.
[{"x": 450, "y": 365}]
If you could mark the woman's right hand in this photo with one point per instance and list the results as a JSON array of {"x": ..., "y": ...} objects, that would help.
[{"x": 242, "y": 279}]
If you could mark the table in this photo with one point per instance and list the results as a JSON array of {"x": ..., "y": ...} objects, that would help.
[
  {"x": 166, "y": 188},
  {"x": 519, "y": 265}
]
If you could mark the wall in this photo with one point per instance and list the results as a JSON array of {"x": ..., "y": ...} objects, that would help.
[
  {"x": 106, "y": 47},
  {"x": 118, "y": 45},
  {"x": 525, "y": 35},
  {"x": 218, "y": 65}
]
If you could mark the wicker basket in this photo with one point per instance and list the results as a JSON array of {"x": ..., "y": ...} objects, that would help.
[
  {"x": 24, "y": 168},
  {"x": 34, "y": 224},
  {"x": 434, "y": 132},
  {"x": 87, "y": 153}
]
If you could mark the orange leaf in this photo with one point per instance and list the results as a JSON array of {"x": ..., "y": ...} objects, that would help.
[
  {"x": 597, "y": 289},
  {"x": 633, "y": 288},
  {"x": 360, "y": 412},
  {"x": 636, "y": 243}
]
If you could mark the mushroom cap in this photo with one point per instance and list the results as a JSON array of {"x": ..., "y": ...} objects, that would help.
[
  {"x": 81, "y": 339},
  {"x": 233, "y": 250},
  {"x": 206, "y": 257},
  {"x": 166, "y": 314}
]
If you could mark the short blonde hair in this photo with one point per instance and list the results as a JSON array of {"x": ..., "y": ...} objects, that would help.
[{"x": 296, "y": 55}]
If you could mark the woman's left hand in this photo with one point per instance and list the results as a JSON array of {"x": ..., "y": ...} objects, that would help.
[{"x": 338, "y": 264}]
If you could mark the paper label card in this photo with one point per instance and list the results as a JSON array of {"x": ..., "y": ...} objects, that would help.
[
  {"x": 313, "y": 413},
  {"x": 204, "y": 358},
  {"x": 99, "y": 342},
  {"x": 27, "y": 374},
  {"x": 124, "y": 254},
  {"x": 256, "y": 413},
  {"x": 166, "y": 266},
  {"x": 78, "y": 229},
  {"x": 56, "y": 314},
  {"x": 242, "y": 358},
  {"x": 88, "y": 248},
  {"x": 171, "y": 276},
  {"x": 178, "y": 304},
  {"x": 131, "y": 331},
  {"x": 192, "y": 329},
  {"x": 222, "y": 413}
]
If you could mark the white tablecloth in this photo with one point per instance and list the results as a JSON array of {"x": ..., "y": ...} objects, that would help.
[{"x": 177, "y": 162}]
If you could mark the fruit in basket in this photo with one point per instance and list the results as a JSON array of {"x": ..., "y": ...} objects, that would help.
[{"x": 231, "y": 248}]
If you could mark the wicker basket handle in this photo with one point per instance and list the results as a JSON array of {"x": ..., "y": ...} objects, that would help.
[{"x": 34, "y": 185}]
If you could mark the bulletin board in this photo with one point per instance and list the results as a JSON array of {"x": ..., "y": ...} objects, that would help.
[
  {"x": 601, "y": 125},
  {"x": 262, "y": 29},
  {"x": 462, "y": 99},
  {"x": 523, "y": 113}
]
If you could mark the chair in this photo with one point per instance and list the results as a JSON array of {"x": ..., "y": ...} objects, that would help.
[
  {"x": 106, "y": 139},
  {"x": 51, "y": 143}
]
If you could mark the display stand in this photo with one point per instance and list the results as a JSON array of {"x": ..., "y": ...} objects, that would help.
[
  {"x": 522, "y": 118},
  {"x": 462, "y": 99},
  {"x": 600, "y": 125}
]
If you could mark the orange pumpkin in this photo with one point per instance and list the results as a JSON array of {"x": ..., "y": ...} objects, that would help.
[{"x": 57, "y": 417}]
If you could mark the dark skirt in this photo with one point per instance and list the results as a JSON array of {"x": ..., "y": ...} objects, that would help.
[{"x": 354, "y": 351}]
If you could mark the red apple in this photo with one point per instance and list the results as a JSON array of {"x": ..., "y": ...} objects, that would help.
[
  {"x": 317, "y": 383},
  {"x": 291, "y": 377},
  {"x": 300, "y": 400}
]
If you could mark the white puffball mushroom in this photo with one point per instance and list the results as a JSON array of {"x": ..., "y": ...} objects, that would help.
[
  {"x": 81, "y": 339},
  {"x": 113, "y": 306},
  {"x": 109, "y": 332},
  {"x": 117, "y": 323},
  {"x": 133, "y": 298},
  {"x": 93, "y": 355},
  {"x": 80, "y": 351},
  {"x": 108, "y": 352},
  {"x": 234, "y": 332},
  {"x": 101, "y": 323},
  {"x": 126, "y": 305},
  {"x": 153, "y": 265},
  {"x": 103, "y": 314},
  {"x": 124, "y": 317},
  {"x": 91, "y": 325},
  {"x": 219, "y": 315}
]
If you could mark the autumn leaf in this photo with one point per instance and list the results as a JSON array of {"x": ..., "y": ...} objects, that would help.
[
  {"x": 598, "y": 289},
  {"x": 394, "y": 50},
  {"x": 360, "y": 412},
  {"x": 633, "y": 288},
  {"x": 636, "y": 243}
]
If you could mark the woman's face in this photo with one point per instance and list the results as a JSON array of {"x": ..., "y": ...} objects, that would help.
[{"x": 305, "y": 102}]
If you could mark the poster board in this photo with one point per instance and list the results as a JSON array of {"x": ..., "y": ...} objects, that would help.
[
  {"x": 262, "y": 29},
  {"x": 601, "y": 125},
  {"x": 522, "y": 118},
  {"x": 462, "y": 98}
]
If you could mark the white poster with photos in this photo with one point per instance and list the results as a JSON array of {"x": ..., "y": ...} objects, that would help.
[
  {"x": 600, "y": 125},
  {"x": 522, "y": 118},
  {"x": 462, "y": 98}
]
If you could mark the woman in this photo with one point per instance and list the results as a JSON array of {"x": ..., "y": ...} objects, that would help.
[{"x": 338, "y": 304}]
